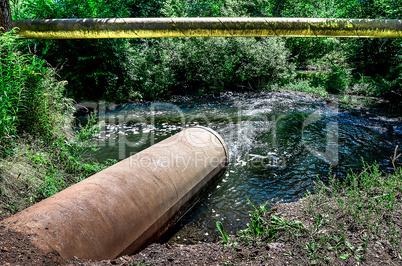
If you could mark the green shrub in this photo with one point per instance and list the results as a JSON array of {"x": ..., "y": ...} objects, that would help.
[
  {"x": 223, "y": 8},
  {"x": 11, "y": 82},
  {"x": 120, "y": 70},
  {"x": 169, "y": 66},
  {"x": 333, "y": 71},
  {"x": 343, "y": 222},
  {"x": 380, "y": 61}
]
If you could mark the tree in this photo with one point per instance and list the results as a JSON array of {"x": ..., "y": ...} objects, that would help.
[{"x": 5, "y": 16}]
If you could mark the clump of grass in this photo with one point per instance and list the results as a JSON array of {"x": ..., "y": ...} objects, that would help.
[
  {"x": 141, "y": 263},
  {"x": 302, "y": 86},
  {"x": 347, "y": 220},
  {"x": 31, "y": 96},
  {"x": 362, "y": 211}
]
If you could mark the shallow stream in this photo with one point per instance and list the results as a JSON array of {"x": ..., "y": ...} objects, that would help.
[{"x": 280, "y": 143}]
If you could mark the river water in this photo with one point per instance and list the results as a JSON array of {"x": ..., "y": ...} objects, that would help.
[{"x": 280, "y": 143}]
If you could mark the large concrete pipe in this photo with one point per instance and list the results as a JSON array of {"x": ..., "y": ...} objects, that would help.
[
  {"x": 207, "y": 27},
  {"x": 128, "y": 205}
]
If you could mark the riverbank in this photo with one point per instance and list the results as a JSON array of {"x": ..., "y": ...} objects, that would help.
[{"x": 358, "y": 221}]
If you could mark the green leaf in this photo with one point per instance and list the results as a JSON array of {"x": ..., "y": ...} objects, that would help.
[{"x": 345, "y": 256}]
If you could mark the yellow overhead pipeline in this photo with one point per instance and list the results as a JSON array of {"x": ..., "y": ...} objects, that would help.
[{"x": 207, "y": 27}]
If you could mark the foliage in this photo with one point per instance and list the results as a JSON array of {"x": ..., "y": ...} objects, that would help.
[
  {"x": 69, "y": 163},
  {"x": 225, "y": 237},
  {"x": 263, "y": 229},
  {"x": 376, "y": 59},
  {"x": 36, "y": 170},
  {"x": 222, "y": 8},
  {"x": 40, "y": 152},
  {"x": 93, "y": 68},
  {"x": 380, "y": 61},
  {"x": 302, "y": 85},
  {"x": 125, "y": 70},
  {"x": 31, "y": 97},
  {"x": 11, "y": 80},
  {"x": 180, "y": 65}
]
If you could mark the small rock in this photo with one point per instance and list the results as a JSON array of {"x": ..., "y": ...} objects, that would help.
[{"x": 4, "y": 249}]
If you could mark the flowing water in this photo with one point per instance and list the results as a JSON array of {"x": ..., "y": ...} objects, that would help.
[{"x": 280, "y": 143}]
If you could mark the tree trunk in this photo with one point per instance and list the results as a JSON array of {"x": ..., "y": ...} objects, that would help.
[{"x": 5, "y": 16}]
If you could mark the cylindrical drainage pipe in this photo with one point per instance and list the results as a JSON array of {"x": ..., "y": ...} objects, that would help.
[{"x": 128, "y": 205}]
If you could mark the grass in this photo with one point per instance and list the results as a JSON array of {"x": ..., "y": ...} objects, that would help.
[
  {"x": 347, "y": 221},
  {"x": 302, "y": 86},
  {"x": 362, "y": 211}
]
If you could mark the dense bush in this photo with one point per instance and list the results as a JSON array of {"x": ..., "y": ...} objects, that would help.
[
  {"x": 122, "y": 70},
  {"x": 380, "y": 62},
  {"x": 222, "y": 8},
  {"x": 11, "y": 81},
  {"x": 302, "y": 85},
  {"x": 40, "y": 154}
]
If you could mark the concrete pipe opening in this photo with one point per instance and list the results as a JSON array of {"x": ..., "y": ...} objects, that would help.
[{"x": 123, "y": 208}]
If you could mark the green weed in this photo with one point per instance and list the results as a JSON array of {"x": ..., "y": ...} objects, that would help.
[
  {"x": 225, "y": 237},
  {"x": 340, "y": 221}
]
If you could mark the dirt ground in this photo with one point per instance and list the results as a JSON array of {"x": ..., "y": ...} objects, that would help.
[{"x": 15, "y": 249}]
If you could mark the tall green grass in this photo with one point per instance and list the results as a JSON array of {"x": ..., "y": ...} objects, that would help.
[{"x": 11, "y": 86}]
